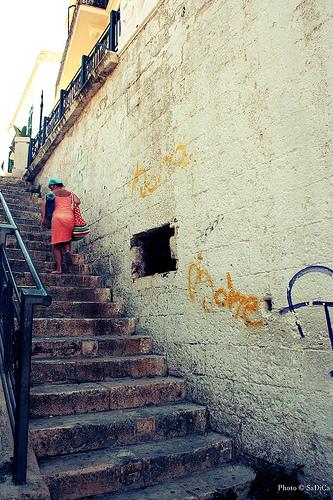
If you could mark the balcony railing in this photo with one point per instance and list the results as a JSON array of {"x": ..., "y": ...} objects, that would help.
[
  {"x": 102, "y": 4},
  {"x": 107, "y": 42}
]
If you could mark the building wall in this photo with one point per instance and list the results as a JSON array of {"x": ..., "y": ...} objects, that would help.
[
  {"x": 85, "y": 30},
  {"x": 132, "y": 16},
  {"x": 42, "y": 78},
  {"x": 217, "y": 120}
]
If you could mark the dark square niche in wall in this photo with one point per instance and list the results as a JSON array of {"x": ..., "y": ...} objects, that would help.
[{"x": 151, "y": 252}]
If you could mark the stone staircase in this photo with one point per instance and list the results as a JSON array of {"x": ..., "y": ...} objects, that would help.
[{"x": 106, "y": 419}]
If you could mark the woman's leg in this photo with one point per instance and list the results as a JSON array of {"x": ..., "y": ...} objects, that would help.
[
  {"x": 68, "y": 261},
  {"x": 58, "y": 257}
]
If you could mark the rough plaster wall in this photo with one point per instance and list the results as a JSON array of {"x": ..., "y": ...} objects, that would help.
[
  {"x": 245, "y": 90},
  {"x": 132, "y": 15}
]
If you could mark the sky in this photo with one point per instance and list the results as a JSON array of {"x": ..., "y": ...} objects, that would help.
[{"x": 27, "y": 28}]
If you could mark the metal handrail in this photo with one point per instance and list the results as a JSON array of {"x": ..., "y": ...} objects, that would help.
[
  {"x": 16, "y": 321},
  {"x": 12, "y": 226},
  {"x": 108, "y": 41}
]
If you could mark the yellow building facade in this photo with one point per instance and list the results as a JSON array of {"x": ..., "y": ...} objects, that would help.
[{"x": 87, "y": 20}]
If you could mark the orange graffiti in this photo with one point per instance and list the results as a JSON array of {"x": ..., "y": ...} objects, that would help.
[
  {"x": 179, "y": 158},
  {"x": 240, "y": 305},
  {"x": 196, "y": 276},
  {"x": 244, "y": 303},
  {"x": 148, "y": 183}
]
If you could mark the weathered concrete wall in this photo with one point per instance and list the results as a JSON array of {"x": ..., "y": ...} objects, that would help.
[
  {"x": 132, "y": 16},
  {"x": 218, "y": 120}
]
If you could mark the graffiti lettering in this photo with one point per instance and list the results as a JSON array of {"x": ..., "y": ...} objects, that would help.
[
  {"x": 210, "y": 228},
  {"x": 179, "y": 158},
  {"x": 240, "y": 305},
  {"x": 325, "y": 304},
  {"x": 197, "y": 276},
  {"x": 146, "y": 184},
  {"x": 149, "y": 183}
]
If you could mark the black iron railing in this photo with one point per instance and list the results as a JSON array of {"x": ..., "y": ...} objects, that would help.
[
  {"x": 102, "y": 4},
  {"x": 16, "y": 319},
  {"x": 107, "y": 42},
  {"x": 69, "y": 95},
  {"x": 98, "y": 52}
]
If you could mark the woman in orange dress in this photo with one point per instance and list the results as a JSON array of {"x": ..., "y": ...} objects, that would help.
[{"x": 62, "y": 224}]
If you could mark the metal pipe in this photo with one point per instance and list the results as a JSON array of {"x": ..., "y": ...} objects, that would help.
[
  {"x": 70, "y": 7},
  {"x": 41, "y": 110}
]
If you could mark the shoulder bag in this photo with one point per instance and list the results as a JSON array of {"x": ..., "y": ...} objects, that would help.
[{"x": 81, "y": 228}]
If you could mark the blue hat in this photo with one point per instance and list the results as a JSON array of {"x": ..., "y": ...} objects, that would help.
[{"x": 54, "y": 181}]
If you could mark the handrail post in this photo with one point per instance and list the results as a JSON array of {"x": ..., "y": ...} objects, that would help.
[
  {"x": 23, "y": 390},
  {"x": 112, "y": 30},
  {"x": 5, "y": 230},
  {"x": 3, "y": 235},
  {"x": 83, "y": 70},
  {"x": 30, "y": 152},
  {"x": 44, "y": 129},
  {"x": 61, "y": 103},
  {"x": 8, "y": 326}
]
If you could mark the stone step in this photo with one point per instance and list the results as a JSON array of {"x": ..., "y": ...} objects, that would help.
[
  {"x": 85, "y": 432},
  {"x": 17, "y": 196},
  {"x": 113, "y": 469},
  {"x": 59, "y": 347},
  {"x": 33, "y": 214},
  {"x": 32, "y": 226},
  {"x": 41, "y": 255},
  {"x": 8, "y": 184},
  {"x": 79, "y": 294},
  {"x": 77, "y": 280},
  {"x": 31, "y": 245},
  {"x": 18, "y": 199},
  {"x": 34, "y": 236},
  {"x": 23, "y": 203},
  {"x": 20, "y": 265},
  {"x": 67, "y": 327},
  {"x": 12, "y": 187},
  {"x": 58, "y": 371},
  {"x": 13, "y": 191},
  {"x": 227, "y": 481},
  {"x": 3, "y": 216},
  {"x": 118, "y": 394},
  {"x": 32, "y": 222},
  {"x": 9, "y": 180},
  {"x": 3, "y": 219},
  {"x": 64, "y": 309}
]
